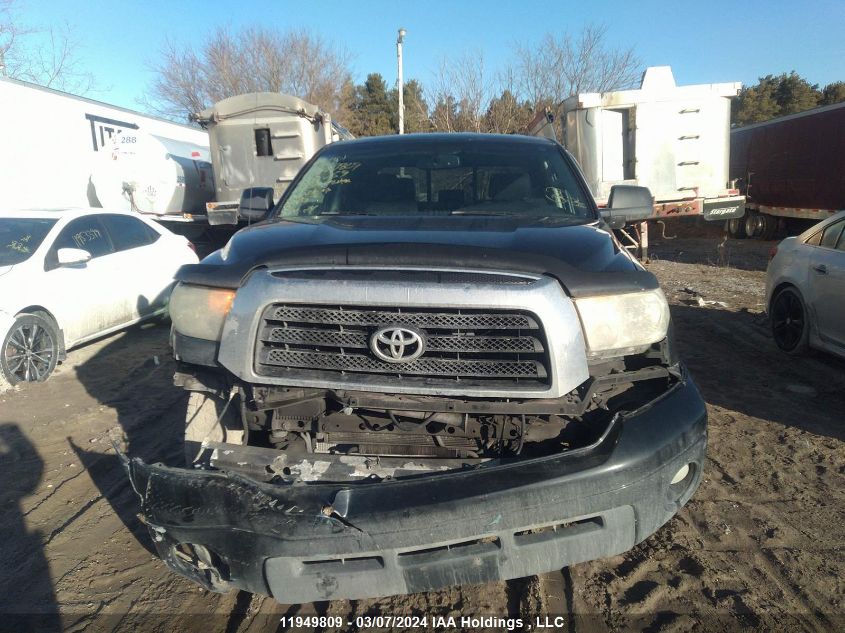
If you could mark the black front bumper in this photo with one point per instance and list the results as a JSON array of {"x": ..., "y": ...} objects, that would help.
[{"x": 319, "y": 541}]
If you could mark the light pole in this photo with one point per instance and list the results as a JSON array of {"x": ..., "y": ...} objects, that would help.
[{"x": 399, "y": 41}]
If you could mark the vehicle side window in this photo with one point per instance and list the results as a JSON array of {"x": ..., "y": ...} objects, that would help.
[
  {"x": 840, "y": 246},
  {"x": 86, "y": 233},
  {"x": 831, "y": 234},
  {"x": 815, "y": 239},
  {"x": 127, "y": 232}
]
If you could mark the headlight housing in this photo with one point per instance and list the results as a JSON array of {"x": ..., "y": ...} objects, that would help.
[
  {"x": 200, "y": 311},
  {"x": 617, "y": 325}
]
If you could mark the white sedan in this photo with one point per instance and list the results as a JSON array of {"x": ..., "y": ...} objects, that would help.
[
  {"x": 72, "y": 275},
  {"x": 805, "y": 289}
]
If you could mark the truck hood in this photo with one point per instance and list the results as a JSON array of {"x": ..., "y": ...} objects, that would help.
[{"x": 585, "y": 258}]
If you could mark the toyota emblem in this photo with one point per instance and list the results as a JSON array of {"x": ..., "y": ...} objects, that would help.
[{"x": 397, "y": 344}]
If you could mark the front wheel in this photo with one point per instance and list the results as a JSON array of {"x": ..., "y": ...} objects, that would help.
[
  {"x": 30, "y": 350},
  {"x": 790, "y": 322},
  {"x": 210, "y": 418}
]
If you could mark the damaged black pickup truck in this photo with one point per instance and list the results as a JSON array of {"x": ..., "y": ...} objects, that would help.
[{"x": 432, "y": 364}]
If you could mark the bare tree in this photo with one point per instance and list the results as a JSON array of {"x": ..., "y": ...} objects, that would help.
[
  {"x": 252, "y": 60},
  {"x": 507, "y": 113},
  {"x": 562, "y": 65},
  {"x": 461, "y": 94},
  {"x": 42, "y": 56},
  {"x": 468, "y": 98}
]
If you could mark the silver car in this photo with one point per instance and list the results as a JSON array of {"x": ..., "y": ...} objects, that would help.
[{"x": 805, "y": 289}]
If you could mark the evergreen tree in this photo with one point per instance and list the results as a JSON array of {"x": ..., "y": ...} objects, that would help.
[
  {"x": 774, "y": 96},
  {"x": 416, "y": 108},
  {"x": 370, "y": 110},
  {"x": 796, "y": 94},
  {"x": 506, "y": 115},
  {"x": 833, "y": 93}
]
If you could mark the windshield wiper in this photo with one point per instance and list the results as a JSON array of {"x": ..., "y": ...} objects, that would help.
[{"x": 482, "y": 212}]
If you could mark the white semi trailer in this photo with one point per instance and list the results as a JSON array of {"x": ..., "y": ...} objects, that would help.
[
  {"x": 60, "y": 150},
  {"x": 672, "y": 139}
]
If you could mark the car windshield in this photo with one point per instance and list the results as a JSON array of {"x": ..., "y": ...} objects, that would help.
[
  {"x": 20, "y": 237},
  {"x": 516, "y": 179}
]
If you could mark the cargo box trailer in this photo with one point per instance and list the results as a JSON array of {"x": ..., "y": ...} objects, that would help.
[
  {"x": 789, "y": 167},
  {"x": 672, "y": 139}
]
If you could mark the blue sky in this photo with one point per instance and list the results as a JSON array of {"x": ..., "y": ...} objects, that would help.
[{"x": 704, "y": 42}]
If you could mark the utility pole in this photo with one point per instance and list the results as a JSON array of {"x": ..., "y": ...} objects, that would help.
[{"x": 399, "y": 41}]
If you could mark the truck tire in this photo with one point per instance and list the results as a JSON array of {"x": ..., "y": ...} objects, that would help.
[
  {"x": 736, "y": 228},
  {"x": 753, "y": 224},
  {"x": 790, "y": 321},
  {"x": 30, "y": 350},
  {"x": 213, "y": 419},
  {"x": 769, "y": 227}
]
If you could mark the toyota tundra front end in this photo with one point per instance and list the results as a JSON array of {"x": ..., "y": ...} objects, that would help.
[{"x": 431, "y": 365}]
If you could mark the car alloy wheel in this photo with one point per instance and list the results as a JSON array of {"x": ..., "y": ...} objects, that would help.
[
  {"x": 789, "y": 321},
  {"x": 30, "y": 350}
]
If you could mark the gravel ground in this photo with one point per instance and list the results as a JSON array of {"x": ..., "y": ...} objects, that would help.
[{"x": 760, "y": 545}]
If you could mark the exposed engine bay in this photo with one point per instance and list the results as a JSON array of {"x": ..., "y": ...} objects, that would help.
[{"x": 301, "y": 422}]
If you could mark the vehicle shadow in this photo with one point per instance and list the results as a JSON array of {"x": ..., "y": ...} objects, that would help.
[
  {"x": 133, "y": 375},
  {"x": 22, "y": 557},
  {"x": 736, "y": 364}
]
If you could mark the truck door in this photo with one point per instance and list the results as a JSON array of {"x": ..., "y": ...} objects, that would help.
[{"x": 827, "y": 283}]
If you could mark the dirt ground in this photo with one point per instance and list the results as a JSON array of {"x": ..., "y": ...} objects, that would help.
[{"x": 759, "y": 546}]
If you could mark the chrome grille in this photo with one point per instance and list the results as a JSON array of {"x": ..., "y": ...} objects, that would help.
[{"x": 462, "y": 345}]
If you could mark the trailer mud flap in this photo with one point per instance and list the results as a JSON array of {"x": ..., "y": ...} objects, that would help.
[{"x": 724, "y": 209}]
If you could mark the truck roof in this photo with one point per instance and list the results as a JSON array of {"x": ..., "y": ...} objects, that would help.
[
  {"x": 246, "y": 105},
  {"x": 446, "y": 137}
]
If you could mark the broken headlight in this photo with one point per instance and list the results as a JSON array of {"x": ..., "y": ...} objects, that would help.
[{"x": 617, "y": 325}]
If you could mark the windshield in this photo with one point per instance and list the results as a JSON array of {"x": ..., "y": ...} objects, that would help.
[
  {"x": 20, "y": 237},
  {"x": 507, "y": 178}
]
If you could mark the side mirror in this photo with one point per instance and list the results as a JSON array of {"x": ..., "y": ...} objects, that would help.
[
  {"x": 72, "y": 256},
  {"x": 626, "y": 204},
  {"x": 255, "y": 203}
]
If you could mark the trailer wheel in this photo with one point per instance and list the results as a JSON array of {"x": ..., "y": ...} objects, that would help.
[
  {"x": 790, "y": 321},
  {"x": 213, "y": 419},
  {"x": 753, "y": 224},
  {"x": 769, "y": 226},
  {"x": 736, "y": 228}
]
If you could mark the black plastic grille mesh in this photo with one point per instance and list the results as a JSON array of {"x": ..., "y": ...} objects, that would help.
[
  {"x": 460, "y": 345},
  {"x": 420, "y": 367},
  {"x": 361, "y": 340},
  {"x": 435, "y": 320}
]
